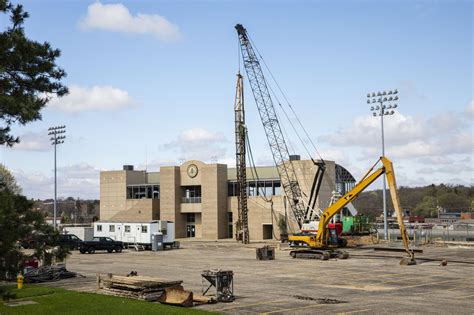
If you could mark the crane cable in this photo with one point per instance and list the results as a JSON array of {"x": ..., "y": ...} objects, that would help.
[
  {"x": 305, "y": 179},
  {"x": 331, "y": 184},
  {"x": 287, "y": 101},
  {"x": 289, "y": 120}
]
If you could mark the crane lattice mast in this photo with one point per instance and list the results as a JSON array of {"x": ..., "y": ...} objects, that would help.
[
  {"x": 242, "y": 228},
  {"x": 272, "y": 128}
]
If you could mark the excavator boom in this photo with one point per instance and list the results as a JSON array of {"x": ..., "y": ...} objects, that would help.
[{"x": 320, "y": 241}]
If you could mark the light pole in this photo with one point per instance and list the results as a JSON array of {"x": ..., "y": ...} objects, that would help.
[
  {"x": 385, "y": 101},
  {"x": 56, "y": 138}
]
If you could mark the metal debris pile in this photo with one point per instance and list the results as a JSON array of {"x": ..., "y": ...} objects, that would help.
[{"x": 48, "y": 273}]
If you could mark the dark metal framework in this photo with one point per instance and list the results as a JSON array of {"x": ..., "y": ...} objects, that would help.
[
  {"x": 271, "y": 126},
  {"x": 344, "y": 180},
  {"x": 242, "y": 228}
]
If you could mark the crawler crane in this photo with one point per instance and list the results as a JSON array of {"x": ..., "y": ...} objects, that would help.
[{"x": 326, "y": 242}]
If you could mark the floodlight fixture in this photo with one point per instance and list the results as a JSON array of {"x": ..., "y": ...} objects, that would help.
[
  {"x": 385, "y": 103},
  {"x": 56, "y": 138}
]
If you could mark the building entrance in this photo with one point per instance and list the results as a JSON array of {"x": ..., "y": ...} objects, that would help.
[{"x": 190, "y": 230}]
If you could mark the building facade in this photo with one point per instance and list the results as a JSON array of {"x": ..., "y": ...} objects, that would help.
[{"x": 201, "y": 198}]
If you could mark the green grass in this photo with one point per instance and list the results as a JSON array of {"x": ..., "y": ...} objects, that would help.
[{"x": 59, "y": 301}]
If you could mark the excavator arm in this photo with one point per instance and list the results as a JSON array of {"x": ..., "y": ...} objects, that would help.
[{"x": 369, "y": 178}]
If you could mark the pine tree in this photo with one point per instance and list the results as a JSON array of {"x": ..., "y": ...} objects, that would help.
[{"x": 29, "y": 76}]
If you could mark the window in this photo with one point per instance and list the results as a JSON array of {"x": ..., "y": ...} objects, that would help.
[
  {"x": 112, "y": 228},
  {"x": 99, "y": 228},
  {"x": 191, "y": 194},
  {"x": 190, "y": 218},
  {"x": 256, "y": 188},
  {"x": 144, "y": 229},
  {"x": 229, "y": 217},
  {"x": 156, "y": 192},
  {"x": 143, "y": 191},
  {"x": 149, "y": 190},
  {"x": 127, "y": 228}
]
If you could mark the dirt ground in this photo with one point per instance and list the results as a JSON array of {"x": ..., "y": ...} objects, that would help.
[{"x": 368, "y": 282}]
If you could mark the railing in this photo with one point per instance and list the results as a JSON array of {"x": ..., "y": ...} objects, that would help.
[{"x": 190, "y": 199}]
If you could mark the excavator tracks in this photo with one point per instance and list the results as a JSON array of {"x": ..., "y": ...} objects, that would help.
[{"x": 319, "y": 254}]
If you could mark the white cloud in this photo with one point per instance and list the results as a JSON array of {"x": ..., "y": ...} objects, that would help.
[
  {"x": 407, "y": 136},
  {"x": 95, "y": 98},
  {"x": 469, "y": 111},
  {"x": 117, "y": 18},
  {"x": 34, "y": 141},
  {"x": 199, "y": 144},
  {"x": 78, "y": 180},
  {"x": 436, "y": 160}
]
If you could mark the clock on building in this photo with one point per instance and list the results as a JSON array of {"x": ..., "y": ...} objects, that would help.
[{"x": 192, "y": 170}]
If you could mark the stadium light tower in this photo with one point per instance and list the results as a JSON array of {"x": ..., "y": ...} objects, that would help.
[
  {"x": 382, "y": 104},
  {"x": 57, "y": 137}
]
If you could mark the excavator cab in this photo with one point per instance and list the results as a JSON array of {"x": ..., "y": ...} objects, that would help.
[{"x": 334, "y": 236}]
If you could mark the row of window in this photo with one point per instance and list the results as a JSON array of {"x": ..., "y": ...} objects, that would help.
[
  {"x": 127, "y": 228},
  {"x": 143, "y": 191},
  {"x": 257, "y": 188},
  {"x": 192, "y": 194}
]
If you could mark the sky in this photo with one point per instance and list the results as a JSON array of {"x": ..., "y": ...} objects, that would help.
[{"x": 152, "y": 83}]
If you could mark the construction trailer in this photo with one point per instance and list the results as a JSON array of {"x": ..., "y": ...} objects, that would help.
[{"x": 136, "y": 233}]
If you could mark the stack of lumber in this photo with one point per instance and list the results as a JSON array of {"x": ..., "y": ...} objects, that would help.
[{"x": 138, "y": 287}]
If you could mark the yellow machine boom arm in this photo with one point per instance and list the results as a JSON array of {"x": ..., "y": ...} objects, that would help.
[{"x": 368, "y": 179}]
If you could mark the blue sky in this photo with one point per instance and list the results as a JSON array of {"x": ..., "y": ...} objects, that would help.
[{"x": 153, "y": 83}]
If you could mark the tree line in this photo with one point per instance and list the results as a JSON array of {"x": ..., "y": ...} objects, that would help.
[{"x": 425, "y": 201}]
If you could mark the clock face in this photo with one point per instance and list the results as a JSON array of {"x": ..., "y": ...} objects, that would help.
[{"x": 192, "y": 170}]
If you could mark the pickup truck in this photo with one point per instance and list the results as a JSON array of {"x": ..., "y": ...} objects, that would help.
[
  {"x": 70, "y": 241},
  {"x": 100, "y": 243}
]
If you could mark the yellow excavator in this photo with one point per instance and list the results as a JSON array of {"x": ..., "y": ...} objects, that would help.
[{"x": 326, "y": 243}]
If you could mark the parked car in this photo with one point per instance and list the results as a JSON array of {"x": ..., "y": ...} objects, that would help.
[
  {"x": 101, "y": 243},
  {"x": 70, "y": 241}
]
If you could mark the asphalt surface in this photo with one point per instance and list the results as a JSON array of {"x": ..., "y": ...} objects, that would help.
[{"x": 367, "y": 283}]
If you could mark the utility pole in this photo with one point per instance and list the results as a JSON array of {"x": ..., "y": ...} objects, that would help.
[
  {"x": 385, "y": 99},
  {"x": 56, "y": 138}
]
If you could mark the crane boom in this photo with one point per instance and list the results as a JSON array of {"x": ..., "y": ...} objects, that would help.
[{"x": 272, "y": 128}]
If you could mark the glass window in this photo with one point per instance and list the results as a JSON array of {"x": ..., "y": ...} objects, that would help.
[
  {"x": 99, "y": 228},
  {"x": 191, "y": 194},
  {"x": 127, "y": 228},
  {"x": 149, "y": 190},
  {"x": 144, "y": 229},
  {"x": 190, "y": 218},
  {"x": 111, "y": 228},
  {"x": 156, "y": 192},
  {"x": 252, "y": 191},
  {"x": 276, "y": 188},
  {"x": 229, "y": 217}
]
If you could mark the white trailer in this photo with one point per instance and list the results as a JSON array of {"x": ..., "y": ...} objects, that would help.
[{"x": 136, "y": 233}]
